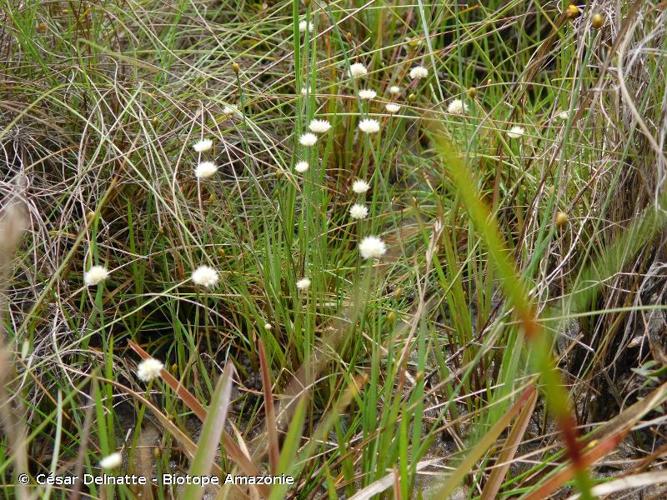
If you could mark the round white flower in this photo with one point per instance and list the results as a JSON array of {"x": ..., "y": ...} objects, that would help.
[
  {"x": 301, "y": 166},
  {"x": 268, "y": 326},
  {"x": 392, "y": 107},
  {"x": 149, "y": 369},
  {"x": 360, "y": 186},
  {"x": 303, "y": 284},
  {"x": 563, "y": 115},
  {"x": 515, "y": 132},
  {"x": 308, "y": 139},
  {"x": 418, "y": 72},
  {"x": 205, "y": 276},
  {"x": 112, "y": 461},
  {"x": 203, "y": 145},
  {"x": 205, "y": 169},
  {"x": 394, "y": 89},
  {"x": 319, "y": 126},
  {"x": 369, "y": 126},
  {"x": 95, "y": 275},
  {"x": 457, "y": 107},
  {"x": 230, "y": 109},
  {"x": 357, "y": 70},
  {"x": 358, "y": 211},
  {"x": 305, "y": 25},
  {"x": 367, "y": 94},
  {"x": 305, "y": 90},
  {"x": 372, "y": 247}
]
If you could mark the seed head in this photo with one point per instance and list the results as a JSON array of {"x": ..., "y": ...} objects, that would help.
[
  {"x": 308, "y": 139},
  {"x": 149, "y": 369},
  {"x": 372, "y": 247}
]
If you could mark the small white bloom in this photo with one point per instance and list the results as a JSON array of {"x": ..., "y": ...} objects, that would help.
[
  {"x": 112, "y": 461},
  {"x": 392, "y": 107},
  {"x": 369, "y": 126},
  {"x": 457, "y": 107},
  {"x": 305, "y": 25},
  {"x": 372, "y": 247},
  {"x": 230, "y": 109},
  {"x": 203, "y": 145},
  {"x": 357, "y": 70},
  {"x": 319, "y": 126},
  {"x": 95, "y": 275},
  {"x": 268, "y": 326},
  {"x": 367, "y": 94},
  {"x": 308, "y": 139},
  {"x": 205, "y": 169},
  {"x": 515, "y": 132},
  {"x": 360, "y": 186},
  {"x": 303, "y": 284},
  {"x": 563, "y": 115},
  {"x": 149, "y": 369},
  {"x": 205, "y": 276},
  {"x": 418, "y": 72},
  {"x": 301, "y": 166},
  {"x": 394, "y": 89},
  {"x": 358, "y": 211},
  {"x": 305, "y": 90}
]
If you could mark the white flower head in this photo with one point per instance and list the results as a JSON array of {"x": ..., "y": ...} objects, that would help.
[
  {"x": 268, "y": 326},
  {"x": 360, "y": 186},
  {"x": 457, "y": 107},
  {"x": 372, "y": 247},
  {"x": 367, "y": 94},
  {"x": 149, "y": 369},
  {"x": 418, "y": 72},
  {"x": 369, "y": 126},
  {"x": 357, "y": 70},
  {"x": 308, "y": 139},
  {"x": 394, "y": 90},
  {"x": 319, "y": 126},
  {"x": 305, "y": 25},
  {"x": 303, "y": 284},
  {"x": 515, "y": 132},
  {"x": 205, "y": 276},
  {"x": 563, "y": 115},
  {"x": 392, "y": 107},
  {"x": 358, "y": 211},
  {"x": 305, "y": 90},
  {"x": 95, "y": 275},
  {"x": 111, "y": 461},
  {"x": 301, "y": 166},
  {"x": 205, "y": 169},
  {"x": 230, "y": 110},
  {"x": 203, "y": 145}
]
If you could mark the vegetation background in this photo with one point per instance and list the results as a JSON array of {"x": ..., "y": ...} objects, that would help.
[{"x": 509, "y": 343}]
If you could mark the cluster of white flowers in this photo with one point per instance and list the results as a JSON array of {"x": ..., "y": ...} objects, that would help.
[
  {"x": 392, "y": 107},
  {"x": 358, "y": 211},
  {"x": 95, "y": 275},
  {"x": 457, "y": 107},
  {"x": 515, "y": 132},
  {"x": 203, "y": 145},
  {"x": 367, "y": 94},
  {"x": 418, "y": 72},
  {"x": 205, "y": 276},
  {"x": 149, "y": 369},
  {"x": 319, "y": 126},
  {"x": 372, "y": 247},
  {"x": 357, "y": 70},
  {"x": 308, "y": 139},
  {"x": 204, "y": 169},
  {"x": 305, "y": 25},
  {"x": 111, "y": 461},
  {"x": 301, "y": 167},
  {"x": 369, "y": 126}
]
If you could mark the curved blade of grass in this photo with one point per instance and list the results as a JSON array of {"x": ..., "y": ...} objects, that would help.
[
  {"x": 212, "y": 432},
  {"x": 516, "y": 291},
  {"x": 484, "y": 444},
  {"x": 497, "y": 476}
]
